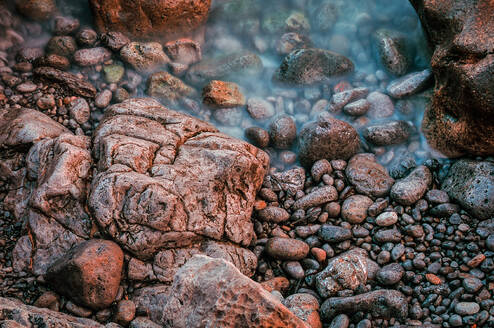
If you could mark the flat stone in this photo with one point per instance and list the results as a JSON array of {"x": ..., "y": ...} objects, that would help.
[
  {"x": 334, "y": 234},
  {"x": 410, "y": 189},
  {"x": 409, "y": 84}
]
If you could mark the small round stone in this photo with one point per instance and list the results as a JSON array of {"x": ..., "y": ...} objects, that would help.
[
  {"x": 386, "y": 219},
  {"x": 354, "y": 209},
  {"x": 282, "y": 132},
  {"x": 294, "y": 269},
  {"x": 126, "y": 311}
]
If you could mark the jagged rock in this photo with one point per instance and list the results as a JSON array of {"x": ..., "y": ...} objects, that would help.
[
  {"x": 208, "y": 291},
  {"x": 460, "y": 118},
  {"x": 167, "y": 180},
  {"x": 25, "y": 126},
  {"x": 15, "y": 314},
  {"x": 66, "y": 80},
  {"x": 346, "y": 271},
  {"x": 471, "y": 183},
  {"x": 151, "y": 20}
]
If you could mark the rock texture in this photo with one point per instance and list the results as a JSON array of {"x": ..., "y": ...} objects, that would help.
[
  {"x": 460, "y": 118},
  {"x": 382, "y": 303},
  {"x": 17, "y": 315},
  {"x": 166, "y": 180},
  {"x": 165, "y": 186},
  {"x": 309, "y": 66},
  {"x": 327, "y": 138},
  {"x": 368, "y": 176},
  {"x": 157, "y": 19},
  {"x": 346, "y": 271},
  {"x": 471, "y": 183},
  {"x": 212, "y": 292},
  {"x": 89, "y": 273}
]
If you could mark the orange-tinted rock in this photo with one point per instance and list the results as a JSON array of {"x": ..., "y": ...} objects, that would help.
[
  {"x": 460, "y": 119},
  {"x": 277, "y": 283},
  {"x": 220, "y": 94},
  {"x": 155, "y": 19},
  {"x": 89, "y": 273},
  {"x": 212, "y": 292},
  {"x": 306, "y": 307}
]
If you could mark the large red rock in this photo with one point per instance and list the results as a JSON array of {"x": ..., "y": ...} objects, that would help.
[
  {"x": 212, "y": 292},
  {"x": 151, "y": 19},
  {"x": 460, "y": 119},
  {"x": 89, "y": 273},
  {"x": 168, "y": 186}
]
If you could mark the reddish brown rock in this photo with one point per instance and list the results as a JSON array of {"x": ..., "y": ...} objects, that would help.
[
  {"x": 368, "y": 176},
  {"x": 16, "y": 314},
  {"x": 173, "y": 179},
  {"x": 156, "y": 19},
  {"x": 213, "y": 292},
  {"x": 184, "y": 51},
  {"x": 306, "y": 307},
  {"x": 89, "y": 273},
  {"x": 220, "y": 94},
  {"x": 460, "y": 119},
  {"x": 36, "y": 9}
]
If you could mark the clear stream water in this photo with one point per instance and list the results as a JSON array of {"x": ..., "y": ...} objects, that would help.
[{"x": 343, "y": 26}]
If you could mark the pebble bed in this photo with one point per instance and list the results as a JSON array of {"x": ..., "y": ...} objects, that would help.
[{"x": 422, "y": 243}]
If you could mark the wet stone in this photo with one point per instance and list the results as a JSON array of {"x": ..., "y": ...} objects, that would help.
[
  {"x": 125, "y": 313},
  {"x": 357, "y": 108},
  {"x": 369, "y": 177},
  {"x": 410, "y": 189},
  {"x": 79, "y": 110},
  {"x": 472, "y": 285},
  {"x": 184, "y": 51},
  {"x": 393, "y": 51},
  {"x": 388, "y": 133},
  {"x": 282, "y": 132},
  {"x": 61, "y": 45},
  {"x": 260, "y": 109},
  {"x": 386, "y": 219},
  {"x": 257, "y": 136},
  {"x": 103, "y": 98},
  {"x": 26, "y": 87},
  {"x": 65, "y": 25},
  {"x": 334, "y": 234},
  {"x": 294, "y": 269},
  {"x": 309, "y": 66},
  {"x": 381, "y": 105},
  {"x": 273, "y": 214},
  {"x": 327, "y": 138},
  {"x": 86, "y": 37},
  {"x": 390, "y": 274},
  {"x": 340, "y": 99},
  {"x": 437, "y": 196},
  {"x": 467, "y": 308},
  {"x": 340, "y": 321},
  {"x": 286, "y": 249},
  {"x": 220, "y": 94},
  {"x": 354, "y": 208},
  {"x": 409, "y": 84},
  {"x": 317, "y": 197},
  {"x": 386, "y": 236},
  {"x": 114, "y": 40},
  {"x": 144, "y": 57}
]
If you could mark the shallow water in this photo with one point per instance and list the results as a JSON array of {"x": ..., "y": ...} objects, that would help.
[{"x": 346, "y": 27}]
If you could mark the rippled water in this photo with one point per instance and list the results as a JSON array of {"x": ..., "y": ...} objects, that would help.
[{"x": 346, "y": 27}]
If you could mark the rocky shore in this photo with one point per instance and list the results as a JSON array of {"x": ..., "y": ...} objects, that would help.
[{"x": 165, "y": 174}]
